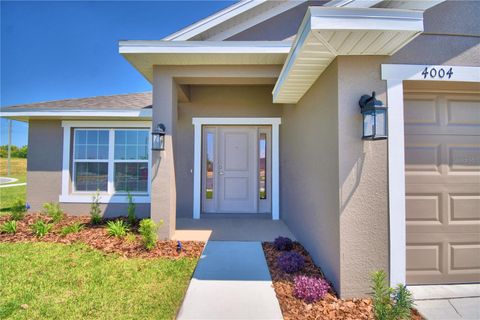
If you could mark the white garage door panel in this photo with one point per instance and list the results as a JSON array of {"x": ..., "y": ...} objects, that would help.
[{"x": 442, "y": 164}]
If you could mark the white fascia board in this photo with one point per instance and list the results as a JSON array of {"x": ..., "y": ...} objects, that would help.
[
  {"x": 365, "y": 19},
  {"x": 352, "y": 3},
  {"x": 251, "y": 22},
  {"x": 303, "y": 31},
  {"x": 144, "y": 113},
  {"x": 213, "y": 20},
  {"x": 205, "y": 47}
]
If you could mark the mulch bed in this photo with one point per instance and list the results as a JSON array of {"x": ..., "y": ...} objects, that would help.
[
  {"x": 96, "y": 236},
  {"x": 330, "y": 307}
]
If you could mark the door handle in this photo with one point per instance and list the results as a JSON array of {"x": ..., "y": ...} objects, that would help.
[{"x": 221, "y": 173}]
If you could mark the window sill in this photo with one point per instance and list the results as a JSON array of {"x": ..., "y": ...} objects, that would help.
[{"x": 87, "y": 198}]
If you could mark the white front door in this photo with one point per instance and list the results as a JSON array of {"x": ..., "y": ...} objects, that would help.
[{"x": 234, "y": 170}]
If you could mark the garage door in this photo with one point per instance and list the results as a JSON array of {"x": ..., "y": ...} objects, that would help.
[{"x": 442, "y": 155}]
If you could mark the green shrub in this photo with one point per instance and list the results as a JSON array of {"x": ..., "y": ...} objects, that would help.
[
  {"x": 130, "y": 237},
  {"x": 73, "y": 228},
  {"x": 148, "y": 231},
  {"x": 41, "y": 228},
  {"x": 117, "y": 228},
  {"x": 9, "y": 227},
  {"x": 18, "y": 209},
  {"x": 54, "y": 211},
  {"x": 131, "y": 210},
  {"x": 95, "y": 212},
  {"x": 389, "y": 303}
]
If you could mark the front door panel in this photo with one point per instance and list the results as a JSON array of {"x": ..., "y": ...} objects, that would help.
[{"x": 237, "y": 179}]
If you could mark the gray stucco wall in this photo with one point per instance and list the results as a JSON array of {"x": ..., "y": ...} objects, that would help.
[
  {"x": 363, "y": 174},
  {"x": 309, "y": 172},
  {"x": 44, "y": 172},
  {"x": 213, "y": 101}
]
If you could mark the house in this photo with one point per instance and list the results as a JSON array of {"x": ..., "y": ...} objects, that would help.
[{"x": 260, "y": 105}]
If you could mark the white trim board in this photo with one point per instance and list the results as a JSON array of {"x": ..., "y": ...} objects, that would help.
[
  {"x": 210, "y": 23},
  {"x": 68, "y": 197},
  {"x": 143, "y": 113},
  {"x": 395, "y": 74},
  {"x": 197, "y": 181}
]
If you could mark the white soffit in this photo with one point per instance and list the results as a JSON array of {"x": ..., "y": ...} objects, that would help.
[
  {"x": 327, "y": 32},
  {"x": 143, "y": 55},
  {"x": 421, "y": 5}
]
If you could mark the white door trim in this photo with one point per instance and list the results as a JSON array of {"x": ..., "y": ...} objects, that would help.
[
  {"x": 197, "y": 158},
  {"x": 395, "y": 74}
]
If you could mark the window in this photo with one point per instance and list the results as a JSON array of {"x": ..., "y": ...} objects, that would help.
[
  {"x": 111, "y": 160},
  {"x": 131, "y": 160},
  {"x": 91, "y": 160},
  {"x": 262, "y": 166},
  {"x": 210, "y": 141}
]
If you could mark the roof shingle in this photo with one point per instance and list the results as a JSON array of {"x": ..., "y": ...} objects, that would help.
[{"x": 131, "y": 101}]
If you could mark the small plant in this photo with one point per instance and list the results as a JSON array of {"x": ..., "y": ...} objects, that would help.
[
  {"x": 73, "y": 228},
  {"x": 117, "y": 228},
  {"x": 9, "y": 227},
  {"x": 18, "y": 209},
  {"x": 95, "y": 211},
  {"x": 310, "y": 289},
  {"x": 130, "y": 237},
  {"x": 41, "y": 228},
  {"x": 291, "y": 262},
  {"x": 389, "y": 303},
  {"x": 283, "y": 244},
  {"x": 131, "y": 210},
  {"x": 148, "y": 231},
  {"x": 54, "y": 211}
]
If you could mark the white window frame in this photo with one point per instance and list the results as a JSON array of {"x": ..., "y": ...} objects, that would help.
[
  {"x": 105, "y": 197},
  {"x": 395, "y": 74},
  {"x": 198, "y": 124}
]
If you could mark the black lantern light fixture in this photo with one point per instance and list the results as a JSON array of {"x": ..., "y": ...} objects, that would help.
[
  {"x": 374, "y": 118},
  {"x": 158, "y": 137}
]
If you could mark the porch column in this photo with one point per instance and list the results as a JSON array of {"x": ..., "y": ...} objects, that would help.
[{"x": 163, "y": 190}]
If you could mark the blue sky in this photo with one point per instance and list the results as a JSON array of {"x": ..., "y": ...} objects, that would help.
[{"x": 65, "y": 49}]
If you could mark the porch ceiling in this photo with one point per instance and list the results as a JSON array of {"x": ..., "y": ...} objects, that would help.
[
  {"x": 143, "y": 55},
  {"x": 327, "y": 32}
]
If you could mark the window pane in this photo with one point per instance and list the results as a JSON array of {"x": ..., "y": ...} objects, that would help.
[
  {"x": 262, "y": 166},
  {"x": 132, "y": 137},
  {"x": 80, "y": 151},
  {"x": 131, "y": 177},
  {"x": 131, "y": 144},
  {"x": 143, "y": 137},
  {"x": 92, "y": 137},
  {"x": 209, "y": 179},
  {"x": 87, "y": 144},
  {"x": 91, "y": 152},
  {"x": 103, "y": 137},
  {"x": 119, "y": 137},
  {"x": 80, "y": 137},
  {"x": 91, "y": 176}
]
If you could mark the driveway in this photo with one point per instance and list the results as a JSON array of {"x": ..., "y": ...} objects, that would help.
[
  {"x": 438, "y": 302},
  {"x": 231, "y": 281}
]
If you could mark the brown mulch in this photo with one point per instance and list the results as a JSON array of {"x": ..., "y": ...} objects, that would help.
[
  {"x": 96, "y": 236},
  {"x": 330, "y": 307}
]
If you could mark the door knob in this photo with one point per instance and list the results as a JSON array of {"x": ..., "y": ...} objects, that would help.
[{"x": 221, "y": 173}]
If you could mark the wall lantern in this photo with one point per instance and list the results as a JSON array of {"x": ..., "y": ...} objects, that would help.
[
  {"x": 158, "y": 137},
  {"x": 374, "y": 118}
]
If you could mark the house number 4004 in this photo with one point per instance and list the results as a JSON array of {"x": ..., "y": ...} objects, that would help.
[{"x": 435, "y": 73}]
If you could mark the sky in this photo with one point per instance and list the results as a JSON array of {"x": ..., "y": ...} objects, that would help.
[{"x": 69, "y": 49}]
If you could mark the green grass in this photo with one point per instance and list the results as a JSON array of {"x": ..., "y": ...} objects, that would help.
[
  {"x": 56, "y": 281},
  {"x": 18, "y": 171}
]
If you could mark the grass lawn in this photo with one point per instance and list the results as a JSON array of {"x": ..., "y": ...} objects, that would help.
[
  {"x": 18, "y": 171},
  {"x": 58, "y": 281}
]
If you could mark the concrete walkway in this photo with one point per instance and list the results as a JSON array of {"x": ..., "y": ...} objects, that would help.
[
  {"x": 231, "y": 281},
  {"x": 438, "y": 302}
]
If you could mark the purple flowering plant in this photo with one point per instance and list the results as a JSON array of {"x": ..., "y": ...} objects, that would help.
[
  {"x": 310, "y": 289},
  {"x": 291, "y": 262},
  {"x": 283, "y": 244}
]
